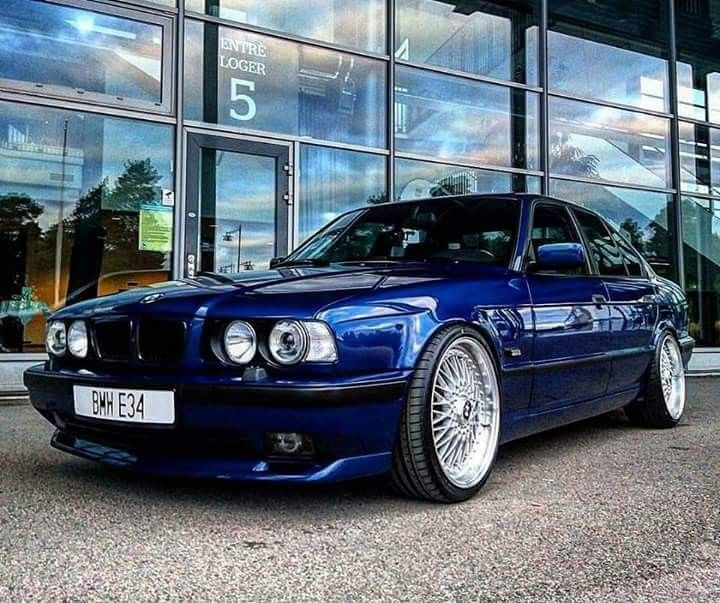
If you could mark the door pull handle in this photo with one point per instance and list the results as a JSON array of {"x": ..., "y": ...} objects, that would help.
[{"x": 599, "y": 300}]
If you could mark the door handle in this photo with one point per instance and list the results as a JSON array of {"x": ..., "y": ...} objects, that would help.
[{"x": 599, "y": 300}]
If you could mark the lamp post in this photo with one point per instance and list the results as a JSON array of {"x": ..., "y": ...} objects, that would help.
[
  {"x": 228, "y": 236},
  {"x": 59, "y": 233}
]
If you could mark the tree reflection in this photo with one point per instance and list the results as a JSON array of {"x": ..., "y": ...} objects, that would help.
[
  {"x": 568, "y": 159},
  {"x": 101, "y": 233}
]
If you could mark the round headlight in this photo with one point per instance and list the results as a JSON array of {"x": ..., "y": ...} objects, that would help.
[
  {"x": 240, "y": 342},
  {"x": 288, "y": 342},
  {"x": 77, "y": 339},
  {"x": 56, "y": 338}
]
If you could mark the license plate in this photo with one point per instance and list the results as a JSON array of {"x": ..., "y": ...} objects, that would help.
[{"x": 130, "y": 405}]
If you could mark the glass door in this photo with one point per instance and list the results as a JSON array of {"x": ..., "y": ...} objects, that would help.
[{"x": 238, "y": 198}]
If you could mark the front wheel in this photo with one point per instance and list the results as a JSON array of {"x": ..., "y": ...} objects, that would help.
[
  {"x": 450, "y": 427},
  {"x": 663, "y": 403}
]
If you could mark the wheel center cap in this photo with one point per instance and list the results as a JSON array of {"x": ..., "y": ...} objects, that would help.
[{"x": 467, "y": 409}]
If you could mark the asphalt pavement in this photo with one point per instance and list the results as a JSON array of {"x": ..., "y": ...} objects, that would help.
[{"x": 592, "y": 512}]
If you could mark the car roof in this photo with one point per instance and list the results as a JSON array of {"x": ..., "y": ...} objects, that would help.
[{"x": 520, "y": 197}]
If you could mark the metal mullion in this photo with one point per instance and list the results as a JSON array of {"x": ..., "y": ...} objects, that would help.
[
  {"x": 468, "y": 164},
  {"x": 390, "y": 88},
  {"x": 233, "y": 131},
  {"x": 614, "y": 183},
  {"x": 69, "y": 105},
  {"x": 675, "y": 148},
  {"x": 127, "y": 11},
  {"x": 544, "y": 99},
  {"x": 699, "y": 122},
  {"x": 285, "y": 36},
  {"x": 614, "y": 105},
  {"x": 467, "y": 76},
  {"x": 145, "y": 5},
  {"x": 709, "y": 197},
  {"x": 179, "y": 251}
]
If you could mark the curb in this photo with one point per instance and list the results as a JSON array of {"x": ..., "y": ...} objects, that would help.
[{"x": 20, "y": 400}]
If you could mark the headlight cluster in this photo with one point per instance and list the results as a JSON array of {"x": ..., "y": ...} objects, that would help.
[
  {"x": 59, "y": 339},
  {"x": 289, "y": 342}
]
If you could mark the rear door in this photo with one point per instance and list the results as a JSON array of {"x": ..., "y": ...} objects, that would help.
[
  {"x": 571, "y": 318},
  {"x": 633, "y": 306}
]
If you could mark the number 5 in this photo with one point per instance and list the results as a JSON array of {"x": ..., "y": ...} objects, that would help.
[{"x": 236, "y": 95}]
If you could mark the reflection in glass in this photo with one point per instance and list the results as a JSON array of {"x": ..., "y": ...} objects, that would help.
[
  {"x": 599, "y": 142},
  {"x": 638, "y": 26},
  {"x": 698, "y": 38},
  {"x": 334, "y": 181},
  {"x": 421, "y": 179},
  {"x": 357, "y": 24},
  {"x": 605, "y": 72},
  {"x": 80, "y": 53},
  {"x": 488, "y": 38},
  {"x": 699, "y": 159},
  {"x": 85, "y": 210},
  {"x": 237, "y": 210},
  {"x": 454, "y": 118},
  {"x": 701, "y": 249},
  {"x": 645, "y": 218},
  {"x": 246, "y": 80}
]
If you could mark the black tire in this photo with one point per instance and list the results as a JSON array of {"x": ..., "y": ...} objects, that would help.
[
  {"x": 651, "y": 409},
  {"x": 416, "y": 471}
]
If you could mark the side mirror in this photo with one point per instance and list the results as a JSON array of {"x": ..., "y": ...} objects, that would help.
[
  {"x": 558, "y": 256},
  {"x": 275, "y": 261}
]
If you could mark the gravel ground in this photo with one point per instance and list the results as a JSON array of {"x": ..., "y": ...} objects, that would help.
[{"x": 595, "y": 511}]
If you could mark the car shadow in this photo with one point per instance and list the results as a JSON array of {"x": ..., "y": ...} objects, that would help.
[{"x": 105, "y": 483}]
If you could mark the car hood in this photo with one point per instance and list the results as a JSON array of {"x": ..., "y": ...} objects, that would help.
[{"x": 292, "y": 292}]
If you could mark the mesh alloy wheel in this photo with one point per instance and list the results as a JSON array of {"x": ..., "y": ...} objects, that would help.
[
  {"x": 465, "y": 413},
  {"x": 672, "y": 377},
  {"x": 449, "y": 430}
]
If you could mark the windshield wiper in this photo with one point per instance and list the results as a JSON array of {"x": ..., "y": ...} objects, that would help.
[{"x": 302, "y": 262}]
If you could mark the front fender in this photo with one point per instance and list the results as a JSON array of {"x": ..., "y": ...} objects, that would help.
[{"x": 384, "y": 335}]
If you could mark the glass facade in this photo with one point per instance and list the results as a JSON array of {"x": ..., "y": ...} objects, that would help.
[
  {"x": 84, "y": 211},
  {"x": 142, "y": 139}
]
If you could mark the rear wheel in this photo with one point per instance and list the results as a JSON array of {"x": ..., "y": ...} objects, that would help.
[
  {"x": 664, "y": 400},
  {"x": 450, "y": 427}
]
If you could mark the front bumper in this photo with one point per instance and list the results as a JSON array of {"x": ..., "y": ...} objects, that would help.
[{"x": 221, "y": 425}]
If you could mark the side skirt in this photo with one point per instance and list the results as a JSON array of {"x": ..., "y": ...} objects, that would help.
[{"x": 521, "y": 424}]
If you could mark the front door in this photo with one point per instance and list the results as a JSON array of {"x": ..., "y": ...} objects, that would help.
[
  {"x": 238, "y": 200},
  {"x": 571, "y": 319}
]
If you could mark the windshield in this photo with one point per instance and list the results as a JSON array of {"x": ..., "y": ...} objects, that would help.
[{"x": 464, "y": 229}]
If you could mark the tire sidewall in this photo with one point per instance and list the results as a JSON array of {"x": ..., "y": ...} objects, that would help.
[{"x": 454, "y": 492}]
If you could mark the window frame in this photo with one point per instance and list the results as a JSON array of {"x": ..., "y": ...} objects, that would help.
[
  {"x": 617, "y": 234},
  {"x": 589, "y": 264},
  {"x": 167, "y": 68}
]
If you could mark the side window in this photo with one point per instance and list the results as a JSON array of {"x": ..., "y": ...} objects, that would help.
[
  {"x": 632, "y": 261},
  {"x": 606, "y": 254},
  {"x": 552, "y": 224}
]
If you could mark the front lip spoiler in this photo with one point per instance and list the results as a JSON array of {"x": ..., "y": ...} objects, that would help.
[
  {"x": 345, "y": 468},
  {"x": 44, "y": 385}
]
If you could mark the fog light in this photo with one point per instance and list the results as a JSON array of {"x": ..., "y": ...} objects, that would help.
[{"x": 290, "y": 444}]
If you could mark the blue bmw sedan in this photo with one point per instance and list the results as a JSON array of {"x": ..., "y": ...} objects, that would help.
[{"x": 407, "y": 339}]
